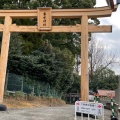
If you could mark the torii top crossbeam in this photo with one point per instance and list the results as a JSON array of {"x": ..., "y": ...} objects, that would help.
[
  {"x": 45, "y": 17},
  {"x": 60, "y": 13}
]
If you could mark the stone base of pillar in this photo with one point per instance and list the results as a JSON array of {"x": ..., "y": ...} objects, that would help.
[
  {"x": 113, "y": 118},
  {"x": 3, "y": 107}
]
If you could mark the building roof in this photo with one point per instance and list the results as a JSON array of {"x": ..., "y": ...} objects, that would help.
[{"x": 106, "y": 92}]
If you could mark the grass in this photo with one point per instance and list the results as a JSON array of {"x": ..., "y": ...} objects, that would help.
[{"x": 12, "y": 102}]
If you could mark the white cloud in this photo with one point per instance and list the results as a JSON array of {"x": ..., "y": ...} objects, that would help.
[
  {"x": 111, "y": 40},
  {"x": 100, "y": 3}
]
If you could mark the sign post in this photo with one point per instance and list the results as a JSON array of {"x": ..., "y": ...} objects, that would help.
[{"x": 89, "y": 108}]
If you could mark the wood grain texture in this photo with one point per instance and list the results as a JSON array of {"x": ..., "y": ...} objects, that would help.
[{"x": 4, "y": 54}]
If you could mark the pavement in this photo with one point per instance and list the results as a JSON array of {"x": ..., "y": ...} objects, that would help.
[{"x": 45, "y": 113}]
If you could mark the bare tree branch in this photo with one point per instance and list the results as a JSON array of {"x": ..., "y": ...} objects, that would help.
[{"x": 99, "y": 59}]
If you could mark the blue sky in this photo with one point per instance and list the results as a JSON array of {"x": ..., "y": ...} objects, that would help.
[{"x": 111, "y": 41}]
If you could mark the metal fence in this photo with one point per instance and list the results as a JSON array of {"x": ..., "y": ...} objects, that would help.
[
  {"x": 71, "y": 98},
  {"x": 20, "y": 83}
]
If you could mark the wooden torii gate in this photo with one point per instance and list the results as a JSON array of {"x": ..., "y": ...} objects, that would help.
[{"x": 45, "y": 16}]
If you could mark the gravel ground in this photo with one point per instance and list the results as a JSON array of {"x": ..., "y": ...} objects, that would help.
[{"x": 45, "y": 113}]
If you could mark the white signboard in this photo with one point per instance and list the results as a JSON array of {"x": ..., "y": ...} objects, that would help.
[{"x": 89, "y": 108}]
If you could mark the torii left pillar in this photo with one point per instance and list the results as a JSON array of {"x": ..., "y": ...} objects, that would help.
[{"x": 4, "y": 54}]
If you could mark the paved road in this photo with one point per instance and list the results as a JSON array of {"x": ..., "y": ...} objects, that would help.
[{"x": 44, "y": 113}]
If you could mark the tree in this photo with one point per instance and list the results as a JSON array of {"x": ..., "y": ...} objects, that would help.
[
  {"x": 60, "y": 40},
  {"x": 105, "y": 80},
  {"x": 16, "y": 44},
  {"x": 99, "y": 59},
  {"x": 75, "y": 87},
  {"x": 47, "y": 64}
]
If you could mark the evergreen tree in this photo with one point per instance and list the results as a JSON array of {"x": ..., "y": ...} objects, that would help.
[{"x": 46, "y": 64}]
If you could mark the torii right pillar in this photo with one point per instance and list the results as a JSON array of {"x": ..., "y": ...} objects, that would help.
[
  {"x": 84, "y": 53},
  {"x": 84, "y": 59}
]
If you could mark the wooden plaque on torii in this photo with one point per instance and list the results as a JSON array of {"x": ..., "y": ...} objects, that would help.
[{"x": 44, "y": 19}]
